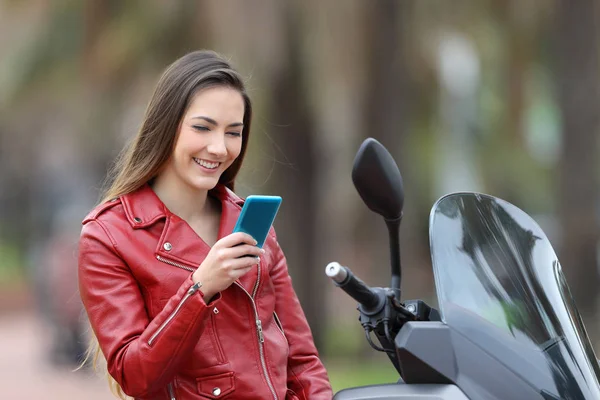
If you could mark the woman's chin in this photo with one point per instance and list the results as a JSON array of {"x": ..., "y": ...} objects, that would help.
[{"x": 205, "y": 183}]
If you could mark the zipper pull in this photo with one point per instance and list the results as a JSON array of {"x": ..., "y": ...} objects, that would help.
[
  {"x": 260, "y": 332},
  {"x": 194, "y": 288},
  {"x": 171, "y": 393}
]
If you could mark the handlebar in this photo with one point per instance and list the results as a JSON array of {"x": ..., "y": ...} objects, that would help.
[
  {"x": 370, "y": 300},
  {"x": 381, "y": 312}
]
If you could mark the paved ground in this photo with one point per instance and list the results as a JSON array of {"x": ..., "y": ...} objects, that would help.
[{"x": 25, "y": 373}]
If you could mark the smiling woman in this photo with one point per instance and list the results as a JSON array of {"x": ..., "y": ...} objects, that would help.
[
  {"x": 170, "y": 292},
  {"x": 208, "y": 143},
  {"x": 211, "y": 143}
]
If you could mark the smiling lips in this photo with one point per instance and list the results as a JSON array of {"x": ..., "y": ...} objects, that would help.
[{"x": 206, "y": 164}]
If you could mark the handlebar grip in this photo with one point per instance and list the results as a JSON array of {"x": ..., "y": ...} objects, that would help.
[{"x": 349, "y": 283}]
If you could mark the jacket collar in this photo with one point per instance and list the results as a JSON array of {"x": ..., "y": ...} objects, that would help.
[{"x": 143, "y": 207}]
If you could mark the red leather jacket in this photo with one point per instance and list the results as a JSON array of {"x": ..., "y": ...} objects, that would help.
[{"x": 159, "y": 337}]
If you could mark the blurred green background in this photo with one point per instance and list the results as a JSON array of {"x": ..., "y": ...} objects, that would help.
[{"x": 495, "y": 96}]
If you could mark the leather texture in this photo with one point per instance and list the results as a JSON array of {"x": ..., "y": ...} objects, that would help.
[{"x": 159, "y": 337}]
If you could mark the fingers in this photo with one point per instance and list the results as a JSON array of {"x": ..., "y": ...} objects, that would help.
[
  {"x": 237, "y": 273},
  {"x": 243, "y": 262},
  {"x": 221, "y": 274},
  {"x": 225, "y": 256},
  {"x": 237, "y": 238},
  {"x": 230, "y": 258},
  {"x": 241, "y": 266},
  {"x": 235, "y": 258},
  {"x": 243, "y": 250}
]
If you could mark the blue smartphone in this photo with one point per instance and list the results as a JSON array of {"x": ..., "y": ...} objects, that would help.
[{"x": 257, "y": 216}]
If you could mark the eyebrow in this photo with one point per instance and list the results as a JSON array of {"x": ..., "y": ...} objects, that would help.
[{"x": 212, "y": 121}]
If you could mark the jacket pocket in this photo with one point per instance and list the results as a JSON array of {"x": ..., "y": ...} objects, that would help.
[
  {"x": 208, "y": 351},
  {"x": 216, "y": 386},
  {"x": 278, "y": 323},
  {"x": 280, "y": 326},
  {"x": 291, "y": 395},
  {"x": 214, "y": 316}
]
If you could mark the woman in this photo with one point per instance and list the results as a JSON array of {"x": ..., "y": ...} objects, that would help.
[{"x": 181, "y": 308}]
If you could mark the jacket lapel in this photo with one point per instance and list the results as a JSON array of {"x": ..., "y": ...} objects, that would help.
[{"x": 178, "y": 242}]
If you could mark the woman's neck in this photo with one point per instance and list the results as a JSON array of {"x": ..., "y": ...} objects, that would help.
[{"x": 187, "y": 203}]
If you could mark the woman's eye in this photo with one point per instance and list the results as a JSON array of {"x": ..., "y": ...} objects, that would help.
[
  {"x": 201, "y": 128},
  {"x": 236, "y": 134}
]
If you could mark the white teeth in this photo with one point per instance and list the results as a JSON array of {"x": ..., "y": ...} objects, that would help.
[{"x": 206, "y": 164}]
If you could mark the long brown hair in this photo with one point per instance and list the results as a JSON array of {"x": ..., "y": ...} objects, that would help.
[{"x": 143, "y": 158}]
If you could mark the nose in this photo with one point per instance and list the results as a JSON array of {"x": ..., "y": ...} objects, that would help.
[{"x": 217, "y": 146}]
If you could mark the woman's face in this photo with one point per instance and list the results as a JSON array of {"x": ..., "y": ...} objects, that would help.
[{"x": 209, "y": 138}]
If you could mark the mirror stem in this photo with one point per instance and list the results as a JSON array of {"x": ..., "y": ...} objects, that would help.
[{"x": 394, "y": 238}]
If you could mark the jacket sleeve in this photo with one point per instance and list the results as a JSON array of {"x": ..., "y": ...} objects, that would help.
[
  {"x": 141, "y": 355},
  {"x": 307, "y": 376}
]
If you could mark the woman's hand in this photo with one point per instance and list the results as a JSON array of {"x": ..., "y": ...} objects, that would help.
[{"x": 229, "y": 258}]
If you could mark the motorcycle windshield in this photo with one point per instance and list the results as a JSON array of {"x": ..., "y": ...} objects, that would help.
[{"x": 499, "y": 284}]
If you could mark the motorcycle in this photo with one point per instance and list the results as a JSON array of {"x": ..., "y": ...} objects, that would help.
[{"x": 507, "y": 326}]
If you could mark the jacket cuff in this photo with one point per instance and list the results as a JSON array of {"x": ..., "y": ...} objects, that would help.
[{"x": 215, "y": 299}]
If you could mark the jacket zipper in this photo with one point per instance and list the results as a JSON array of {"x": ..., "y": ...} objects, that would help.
[
  {"x": 175, "y": 264},
  {"x": 193, "y": 289},
  {"x": 171, "y": 392},
  {"x": 259, "y": 331}
]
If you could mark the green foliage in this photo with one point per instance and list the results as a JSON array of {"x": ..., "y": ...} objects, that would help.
[
  {"x": 352, "y": 373},
  {"x": 10, "y": 264},
  {"x": 344, "y": 339},
  {"x": 350, "y": 362}
]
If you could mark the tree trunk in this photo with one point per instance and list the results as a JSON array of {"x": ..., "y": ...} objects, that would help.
[
  {"x": 579, "y": 95},
  {"x": 387, "y": 119},
  {"x": 295, "y": 177}
]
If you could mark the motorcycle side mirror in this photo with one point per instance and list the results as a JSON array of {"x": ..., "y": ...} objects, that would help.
[{"x": 377, "y": 179}]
